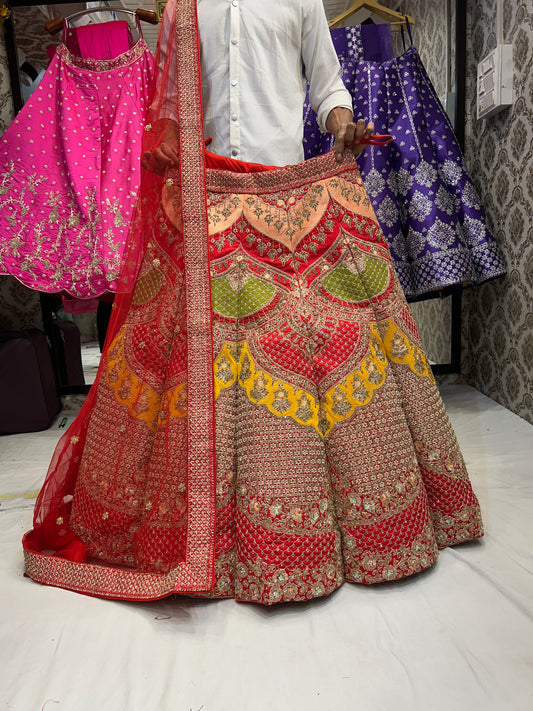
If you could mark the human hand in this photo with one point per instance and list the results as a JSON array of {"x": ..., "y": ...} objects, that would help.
[
  {"x": 346, "y": 133},
  {"x": 159, "y": 161},
  {"x": 166, "y": 153}
]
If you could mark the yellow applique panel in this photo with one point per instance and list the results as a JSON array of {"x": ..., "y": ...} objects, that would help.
[
  {"x": 236, "y": 364},
  {"x": 142, "y": 402},
  {"x": 400, "y": 350},
  {"x": 225, "y": 368},
  {"x": 357, "y": 389}
]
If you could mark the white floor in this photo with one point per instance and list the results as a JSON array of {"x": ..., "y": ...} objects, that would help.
[
  {"x": 90, "y": 358},
  {"x": 457, "y": 638}
]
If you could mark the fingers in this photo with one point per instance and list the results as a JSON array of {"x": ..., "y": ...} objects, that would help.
[
  {"x": 169, "y": 153},
  {"x": 359, "y": 131},
  {"x": 369, "y": 130},
  {"x": 146, "y": 160},
  {"x": 346, "y": 137},
  {"x": 160, "y": 160},
  {"x": 339, "y": 148},
  {"x": 350, "y": 136}
]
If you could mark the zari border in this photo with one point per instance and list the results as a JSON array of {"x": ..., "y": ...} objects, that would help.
[
  {"x": 197, "y": 571},
  {"x": 104, "y": 581},
  {"x": 103, "y": 65},
  {"x": 284, "y": 178}
]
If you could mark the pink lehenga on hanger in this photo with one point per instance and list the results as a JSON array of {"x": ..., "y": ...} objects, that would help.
[
  {"x": 70, "y": 163},
  {"x": 264, "y": 423}
]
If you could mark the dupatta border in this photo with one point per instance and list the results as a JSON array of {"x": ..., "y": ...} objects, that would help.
[
  {"x": 197, "y": 571},
  {"x": 110, "y": 582}
]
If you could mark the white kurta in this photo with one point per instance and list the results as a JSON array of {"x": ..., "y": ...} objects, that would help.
[{"x": 257, "y": 57}]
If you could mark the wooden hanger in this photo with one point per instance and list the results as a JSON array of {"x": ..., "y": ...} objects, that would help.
[
  {"x": 392, "y": 17},
  {"x": 56, "y": 25}
]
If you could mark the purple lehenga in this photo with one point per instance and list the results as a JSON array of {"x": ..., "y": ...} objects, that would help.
[{"x": 425, "y": 201}]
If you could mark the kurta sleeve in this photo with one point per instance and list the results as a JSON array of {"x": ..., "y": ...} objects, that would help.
[{"x": 321, "y": 64}]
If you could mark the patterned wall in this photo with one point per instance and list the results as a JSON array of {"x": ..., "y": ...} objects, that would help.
[
  {"x": 498, "y": 316},
  {"x": 6, "y": 104},
  {"x": 32, "y": 40},
  {"x": 19, "y": 307},
  {"x": 430, "y": 36}
]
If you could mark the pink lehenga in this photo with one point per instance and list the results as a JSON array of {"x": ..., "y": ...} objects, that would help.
[
  {"x": 70, "y": 164},
  {"x": 264, "y": 423}
]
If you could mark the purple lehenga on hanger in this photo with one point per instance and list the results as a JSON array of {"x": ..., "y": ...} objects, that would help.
[
  {"x": 70, "y": 164},
  {"x": 425, "y": 201}
]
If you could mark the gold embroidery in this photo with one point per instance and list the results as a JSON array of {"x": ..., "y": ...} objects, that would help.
[
  {"x": 288, "y": 222},
  {"x": 142, "y": 402},
  {"x": 464, "y": 524},
  {"x": 341, "y": 400},
  {"x": 103, "y": 65},
  {"x": 351, "y": 195},
  {"x": 399, "y": 349},
  {"x": 374, "y": 566}
]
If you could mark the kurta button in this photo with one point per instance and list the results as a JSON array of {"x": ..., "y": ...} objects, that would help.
[
  {"x": 233, "y": 117},
  {"x": 235, "y": 3},
  {"x": 234, "y": 152},
  {"x": 234, "y": 82},
  {"x": 234, "y": 41}
]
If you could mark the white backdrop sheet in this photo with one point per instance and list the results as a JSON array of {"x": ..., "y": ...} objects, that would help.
[{"x": 456, "y": 638}]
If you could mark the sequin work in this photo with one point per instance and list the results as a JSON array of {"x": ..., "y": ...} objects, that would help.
[
  {"x": 70, "y": 172},
  {"x": 426, "y": 203},
  {"x": 335, "y": 459}
]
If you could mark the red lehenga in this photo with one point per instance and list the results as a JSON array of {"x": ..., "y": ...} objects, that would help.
[{"x": 264, "y": 423}]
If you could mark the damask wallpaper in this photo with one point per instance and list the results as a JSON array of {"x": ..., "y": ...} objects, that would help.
[
  {"x": 20, "y": 307},
  {"x": 6, "y": 104},
  {"x": 498, "y": 316},
  {"x": 32, "y": 40},
  {"x": 497, "y": 352}
]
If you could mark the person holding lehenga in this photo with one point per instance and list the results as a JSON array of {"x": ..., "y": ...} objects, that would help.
[{"x": 264, "y": 424}]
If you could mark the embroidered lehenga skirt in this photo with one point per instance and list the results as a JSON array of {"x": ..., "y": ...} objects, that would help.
[
  {"x": 70, "y": 168},
  {"x": 335, "y": 459}
]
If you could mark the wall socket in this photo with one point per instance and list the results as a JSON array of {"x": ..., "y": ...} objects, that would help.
[{"x": 495, "y": 81}]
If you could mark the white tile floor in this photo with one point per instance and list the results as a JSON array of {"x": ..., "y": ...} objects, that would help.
[
  {"x": 90, "y": 358},
  {"x": 456, "y": 638}
]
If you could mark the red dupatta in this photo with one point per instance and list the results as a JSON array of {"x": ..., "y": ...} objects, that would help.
[{"x": 141, "y": 389}]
